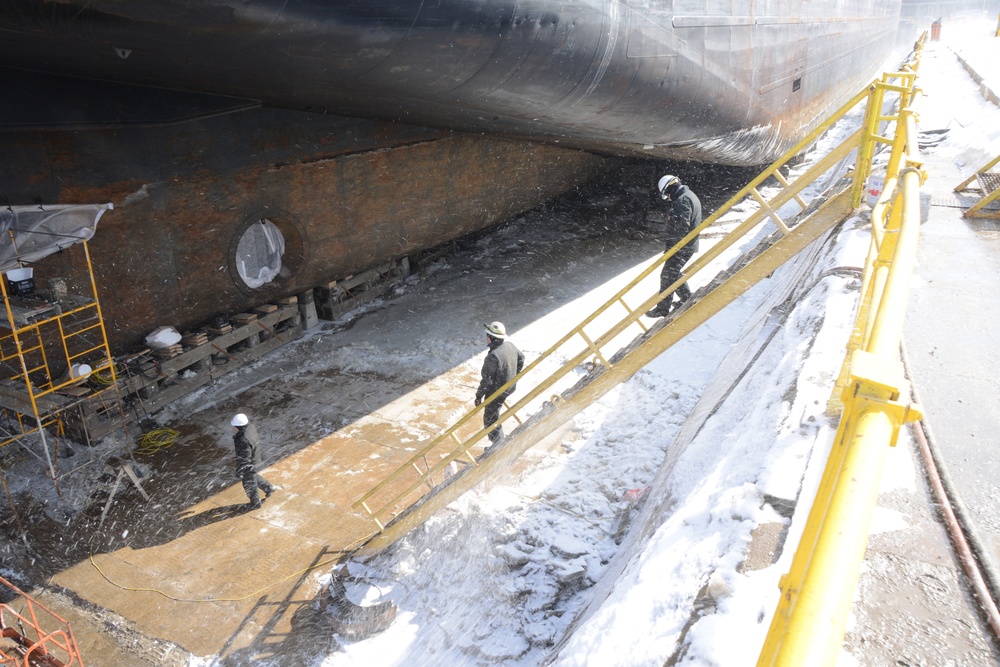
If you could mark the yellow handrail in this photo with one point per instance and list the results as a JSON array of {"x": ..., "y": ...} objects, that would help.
[
  {"x": 809, "y": 623},
  {"x": 402, "y": 483}
]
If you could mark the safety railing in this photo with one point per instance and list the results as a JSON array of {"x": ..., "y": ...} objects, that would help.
[
  {"x": 809, "y": 623},
  {"x": 37, "y": 341},
  {"x": 597, "y": 343},
  {"x": 988, "y": 182},
  {"x": 33, "y": 636}
]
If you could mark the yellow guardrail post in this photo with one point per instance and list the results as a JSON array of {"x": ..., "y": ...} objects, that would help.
[{"x": 808, "y": 626}]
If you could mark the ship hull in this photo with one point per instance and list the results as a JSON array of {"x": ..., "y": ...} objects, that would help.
[
  {"x": 366, "y": 131},
  {"x": 346, "y": 195},
  {"x": 735, "y": 83}
]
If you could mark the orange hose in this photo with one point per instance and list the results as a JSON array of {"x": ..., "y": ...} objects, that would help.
[{"x": 965, "y": 555}]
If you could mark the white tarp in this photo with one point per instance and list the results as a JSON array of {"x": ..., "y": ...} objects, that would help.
[{"x": 40, "y": 230}]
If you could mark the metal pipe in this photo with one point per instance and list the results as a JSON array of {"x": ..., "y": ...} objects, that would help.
[
  {"x": 965, "y": 555},
  {"x": 809, "y": 624}
]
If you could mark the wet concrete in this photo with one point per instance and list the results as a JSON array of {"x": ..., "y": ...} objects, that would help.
[
  {"x": 913, "y": 604},
  {"x": 953, "y": 348},
  {"x": 193, "y": 567}
]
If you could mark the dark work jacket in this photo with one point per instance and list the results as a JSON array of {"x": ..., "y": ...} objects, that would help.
[
  {"x": 503, "y": 362},
  {"x": 246, "y": 442},
  {"x": 685, "y": 215}
]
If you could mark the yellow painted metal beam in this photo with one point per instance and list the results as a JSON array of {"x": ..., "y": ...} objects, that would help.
[{"x": 808, "y": 627}]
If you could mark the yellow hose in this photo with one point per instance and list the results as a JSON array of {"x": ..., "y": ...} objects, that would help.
[{"x": 155, "y": 440}]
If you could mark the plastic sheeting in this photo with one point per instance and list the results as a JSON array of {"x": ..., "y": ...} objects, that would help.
[
  {"x": 39, "y": 231},
  {"x": 258, "y": 253}
]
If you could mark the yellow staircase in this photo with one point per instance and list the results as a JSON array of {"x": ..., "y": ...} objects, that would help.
[{"x": 614, "y": 342}]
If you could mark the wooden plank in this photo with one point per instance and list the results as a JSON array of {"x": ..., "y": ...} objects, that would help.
[
  {"x": 14, "y": 396},
  {"x": 171, "y": 392},
  {"x": 186, "y": 359},
  {"x": 173, "y": 387}
]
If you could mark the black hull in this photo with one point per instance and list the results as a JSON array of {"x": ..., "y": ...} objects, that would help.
[
  {"x": 370, "y": 130},
  {"x": 735, "y": 84}
]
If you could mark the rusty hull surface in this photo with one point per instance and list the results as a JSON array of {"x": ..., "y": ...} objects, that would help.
[{"x": 347, "y": 194}]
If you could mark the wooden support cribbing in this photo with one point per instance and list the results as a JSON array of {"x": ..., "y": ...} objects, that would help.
[
  {"x": 223, "y": 351},
  {"x": 269, "y": 330}
]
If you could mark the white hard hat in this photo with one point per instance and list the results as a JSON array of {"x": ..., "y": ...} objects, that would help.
[
  {"x": 496, "y": 329},
  {"x": 665, "y": 183},
  {"x": 240, "y": 420}
]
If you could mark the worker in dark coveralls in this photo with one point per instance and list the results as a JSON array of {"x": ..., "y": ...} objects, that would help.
[
  {"x": 503, "y": 362},
  {"x": 683, "y": 216},
  {"x": 247, "y": 444}
]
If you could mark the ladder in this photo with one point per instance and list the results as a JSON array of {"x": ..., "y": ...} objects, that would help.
[{"x": 415, "y": 490}]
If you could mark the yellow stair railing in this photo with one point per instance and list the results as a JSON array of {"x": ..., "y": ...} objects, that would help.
[
  {"x": 808, "y": 626},
  {"x": 414, "y": 490}
]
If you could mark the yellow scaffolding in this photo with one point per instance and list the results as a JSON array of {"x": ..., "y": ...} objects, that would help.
[{"x": 49, "y": 348}]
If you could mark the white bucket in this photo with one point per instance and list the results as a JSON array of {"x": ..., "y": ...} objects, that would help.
[{"x": 79, "y": 371}]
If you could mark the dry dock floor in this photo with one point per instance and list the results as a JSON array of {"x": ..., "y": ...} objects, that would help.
[{"x": 193, "y": 567}]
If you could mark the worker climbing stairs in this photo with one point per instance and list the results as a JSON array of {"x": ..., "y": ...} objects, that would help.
[{"x": 611, "y": 344}]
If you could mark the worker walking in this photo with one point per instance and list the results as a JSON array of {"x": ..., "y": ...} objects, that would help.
[
  {"x": 684, "y": 215},
  {"x": 503, "y": 362},
  {"x": 248, "y": 460}
]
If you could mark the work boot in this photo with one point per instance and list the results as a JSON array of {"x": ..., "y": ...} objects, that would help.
[
  {"x": 253, "y": 501},
  {"x": 662, "y": 309}
]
